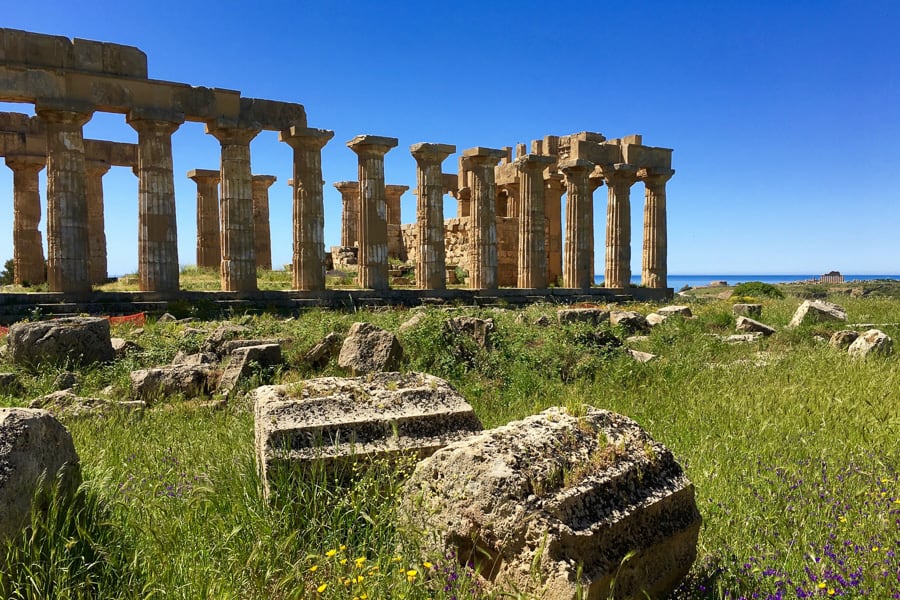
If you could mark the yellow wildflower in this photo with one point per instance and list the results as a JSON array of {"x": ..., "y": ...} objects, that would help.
[
  {"x": 313, "y": 568},
  {"x": 427, "y": 564},
  {"x": 820, "y": 585},
  {"x": 831, "y": 591},
  {"x": 360, "y": 561},
  {"x": 343, "y": 561},
  {"x": 331, "y": 553},
  {"x": 322, "y": 588}
]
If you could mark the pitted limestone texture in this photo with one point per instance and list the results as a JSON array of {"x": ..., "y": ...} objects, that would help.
[
  {"x": 817, "y": 311},
  {"x": 542, "y": 502},
  {"x": 369, "y": 349},
  {"x": 333, "y": 421},
  {"x": 71, "y": 341}
]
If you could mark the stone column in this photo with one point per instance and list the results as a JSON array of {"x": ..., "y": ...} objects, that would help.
[
  {"x": 554, "y": 187},
  {"x": 94, "y": 170},
  {"x": 372, "y": 230},
  {"x": 431, "y": 273},
  {"x": 209, "y": 246},
  {"x": 28, "y": 247},
  {"x": 532, "y": 259},
  {"x": 308, "y": 262},
  {"x": 480, "y": 162},
  {"x": 157, "y": 227},
  {"x": 578, "y": 269},
  {"x": 238, "y": 256},
  {"x": 619, "y": 177},
  {"x": 654, "y": 267},
  {"x": 262, "y": 237},
  {"x": 350, "y": 212},
  {"x": 392, "y": 194},
  {"x": 67, "y": 228}
]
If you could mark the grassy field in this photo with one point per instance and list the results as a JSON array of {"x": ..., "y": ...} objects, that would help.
[{"x": 793, "y": 448}]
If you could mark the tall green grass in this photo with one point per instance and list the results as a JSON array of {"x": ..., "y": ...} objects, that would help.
[{"x": 793, "y": 448}]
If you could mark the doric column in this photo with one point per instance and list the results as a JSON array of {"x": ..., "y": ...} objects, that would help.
[
  {"x": 157, "y": 227},
  {"x": 28, "y": 247},
  {"x": 578, "y": 268},
  {"x": 372, "y": 230},
  {"x": 308, "y": 263},
  {"x": 94, "y": 170},
  {"x": 532, "y": 260},
  {"x": 431, "y": 256},
  {"x": 554, "y": 187},
  {"x": 654, "y": 267},
  {"x": 480, "y": 162},
  {"x": 392, "y": 194},
  {"x": 238, "y": 256},
  {"x": 67, "y": 229},
  {"x": 619, "y": 177},
  {"x": 209, "y": 247},
  {"x": 349, "y": 212},
  {"x": 262, "y": 237}
]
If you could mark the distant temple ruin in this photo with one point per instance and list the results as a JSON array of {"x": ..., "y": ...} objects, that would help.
[{"x": 508, "y": 230}]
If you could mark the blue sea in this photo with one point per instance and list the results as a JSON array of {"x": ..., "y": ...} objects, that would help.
[{"x": 679, "y": 281}]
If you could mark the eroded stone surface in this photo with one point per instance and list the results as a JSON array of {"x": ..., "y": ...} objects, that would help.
[
  {"x": 817, "y": 311},
  {"x": 32, "y": 443},
  {"x": 555, "y": 491},
  {"x": 873, "y": 341},
  {"x": 595, "y": 316},
  {"x": 242, "y": 361},
  {"x": 368, "y": 349},
  {"x": 631, "y": 321},
  {"x": 71, "y": 341},
  {"x": 477, "y": 329},
  {"x": 153, "y": 384},
  {"x": 319, "y": 355},
  {"x": 842, "y": 339},
  {"x": 747, "y": 310},
  {"x": 746, "y": 324},
  {"x": 676, "y": 309},
  {"x": 336, "y": 419}
]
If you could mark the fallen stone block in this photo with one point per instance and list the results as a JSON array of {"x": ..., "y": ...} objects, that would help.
[
  {"x": 632, "y": 322},
  {"x": 36, "y": 452},
  {"x": 594, "y": 316},
  {"x": 842, "y": 339},
  {"x": 66, "y": 380},
  {"x": 66, "y": 402},
  {"x": 199, "y": 359},
  {"x": 221, "y": 334},
  {"x": 369, "y": 349},
  {"x": 121, "y": 347},
  {"x": 332, "y": 421},
  {"x": 412, "y": 322},
  {"x": 654, "y": 319},
  {"x": 555, "y": 502},
  {"x": 742, "y": 338},
  {"x": 675, "y": 309},
  {"x": 873, "y": 341},
  {"x": 152, "y": 384},
  {"x": 10, "y": 384},
  {"x": 477, "y": 329},
  {"x": 817, "y": 311},
  {"x": 242, "y": 361},
  {"x": 748, "y": 325},
  {"x": 71, "y": 341},
  {"x": 228, "y": 347},
  {"x": 753, "y": 311},
  {"x": 639, "y": 356},
  {"x": 319, "y": 355}
]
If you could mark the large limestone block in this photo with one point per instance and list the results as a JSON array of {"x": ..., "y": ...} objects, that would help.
[
  {"x": 369, "y": 349},
  {"x": 748, "y": 325},
  {"x": 753, "y": 311},
  {"x": 843, "y": 338},
  {"x": 153, "y": 384},
  {"x": 477, "y": 329},
  {"x": 72, "y": 341},
  {"x": 560, "y": 495},
  {"x": 335, "y": 420},
  {"x": 675, "y": 309},
  {"x": 594, "y": 316},
  {"x": 242, "y": 361},
  {"x": 631, "y": 321},
  {"x": 873, "y": 341},
  {"x": 817, "y": 311},
  {"x": 33, "y": 444}
]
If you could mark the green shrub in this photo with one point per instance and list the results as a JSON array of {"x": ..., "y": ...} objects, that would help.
[
  {"x": 6, "y": 275},
  {"x": 756, "y": 289}
]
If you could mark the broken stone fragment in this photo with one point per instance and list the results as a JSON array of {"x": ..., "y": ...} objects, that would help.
[
  {"x": 748, "y": 325},
  {"x": 639, "y": 356},
  {"x": 594, "y": 316},
  {"x": 369, "y": 349},
  {"x": 817, "y": 311},
  {"x": 842, "y": 339},
  {"x": 747, "y": 310},
  {"x": 654, "y": 319},
  {"x": 121, "y": 347},
  {"x": 153, "y": 384},
  {"x": 242, "y": 361},
  {"x": 477, "y": 329},
  {"x": 873, "y": 341},
  {"x": 335, "y": 421},
  {"x": 684, "y": 311},
  {"x": 73, "y": 341},
  {"x": 631, "y": 321},
  {"x": 555, "y": 502}
]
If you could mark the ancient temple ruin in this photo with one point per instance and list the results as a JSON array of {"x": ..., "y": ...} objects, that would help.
[{"x": 508, "y": 231}]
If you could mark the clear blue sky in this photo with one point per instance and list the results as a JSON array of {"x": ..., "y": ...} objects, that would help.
[{"x": 784, "y": 116}]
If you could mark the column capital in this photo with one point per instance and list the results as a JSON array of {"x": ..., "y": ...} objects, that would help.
[
  {"x": 150, "y": 120},
  {"x": 199, "y": 175},
  {"x": 619, "y": 174},
  {"x": 653, "y": 176},
  {"x": 427, "y": 153},
  {"x": 575, "y": 165},
  {"x": 347, "y": 187},
  {"x": 395, "y": 190},
  {"x": 555, "y": 182},
  {"x": 26, "y": 162},
  {"x": 533, "y": 162},
  {"x": 97, "y": 168},
  {"x": 372, "y": 145},
  {"x": 266, "y": 180},
  {"x": 481, "y": 156},
  {"x": 64, "y": 112},
  {"x": 239, "y": 136},
  {"x": 305, "y": 137}
]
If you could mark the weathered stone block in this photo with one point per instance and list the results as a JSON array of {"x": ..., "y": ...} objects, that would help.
[
  {"x": 33, "y": 444},
  {"x": 684, "y": 311},
  {"x": 477, "y": 329},
  {"x": 319, "y": 355},
  {"x": 817, "y": 311},
  {"x": 71, "y": 341},
  {"x": 873, "y": 341},
  {"x": 335, "y": 420},
  {"x": 631, "y": 321},
  {"x": 564, "y": 496},
  {"x": 748, "y": 325},
  {"x": 243, "y": 359},
  {"x": 153, "y": 384},
  {"x": 368, "y": 349},
  {"x": 842, "y": 339},
  {"x": 594, "y": 316},
  {"x": 747, "y": 310}
]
